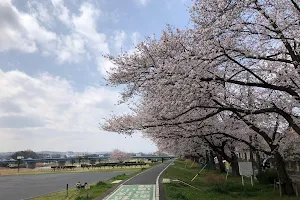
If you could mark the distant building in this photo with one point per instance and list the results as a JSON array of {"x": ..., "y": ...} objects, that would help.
[{"x": 70, "y": 154}]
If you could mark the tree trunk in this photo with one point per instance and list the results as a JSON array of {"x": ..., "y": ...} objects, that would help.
[
  {"x": 258, "y": 162},
  {"x": 252, "y": 159},
  {"x": 207, "y": 158},
  {"x": 235, "y": 165},
  {"x": 287, "y": 185},
  {"x": 211, "y": 160},
  {"x": 221, "y": 164}
]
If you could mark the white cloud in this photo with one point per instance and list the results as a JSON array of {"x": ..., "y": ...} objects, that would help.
[
  {"x": 27, "y": 32},
  {"x": 135, "y": 37},
  {"x": 22, "y": 32},
  {"x": 44, "y": 111},
  {"x": 41, "y": 12},
  {"x": 71, "y": 48},
  {"x": 104, "y": 65},
  {"x": 85, "y": 25},
  {"x": 84, "y": 38},
  {"x": 119, "y": 38},
  {"x": 143, "y": 2},
  {"x": 62, "y": 12}
]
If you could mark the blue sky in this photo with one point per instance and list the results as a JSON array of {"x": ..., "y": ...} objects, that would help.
[{"x": 52, "y": 70}]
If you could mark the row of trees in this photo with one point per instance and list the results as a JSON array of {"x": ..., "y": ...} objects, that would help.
[{"x": 230, "y": 82}]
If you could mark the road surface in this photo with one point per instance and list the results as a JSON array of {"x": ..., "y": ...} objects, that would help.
[
  {"x": 26, "y": 186},
  {"x": 142, "y": 186}
]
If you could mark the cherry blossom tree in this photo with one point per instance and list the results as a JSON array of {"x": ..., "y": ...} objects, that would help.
[
  {"x": 119, "y": 156},
  {"x": 232, "y": 80}
]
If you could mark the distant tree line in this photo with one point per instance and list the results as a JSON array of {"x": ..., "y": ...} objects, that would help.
[{"x": 26, "y": 154}]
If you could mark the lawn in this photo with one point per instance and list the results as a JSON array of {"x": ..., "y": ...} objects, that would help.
[
  {"x": 95, "y": 191},
  {"x": 212, "y": 185}
]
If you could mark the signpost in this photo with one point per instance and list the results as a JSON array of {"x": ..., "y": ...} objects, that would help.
[{"x": 245, "y": 169}]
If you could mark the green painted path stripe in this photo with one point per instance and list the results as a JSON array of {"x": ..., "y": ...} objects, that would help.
[{"x": 134, "y": 192}]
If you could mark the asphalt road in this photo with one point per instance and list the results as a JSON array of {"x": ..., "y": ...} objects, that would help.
[
  {"x": 149, "y": 176},
  {"x": 27, "y": 186}
]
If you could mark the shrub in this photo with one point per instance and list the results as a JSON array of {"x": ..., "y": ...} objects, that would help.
[
  {"x": 267, "y": 177},
  {"x": 101, "y": 183}
]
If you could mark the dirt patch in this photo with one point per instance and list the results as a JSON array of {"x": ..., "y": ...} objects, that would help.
[{"x": 214, "y": 178}]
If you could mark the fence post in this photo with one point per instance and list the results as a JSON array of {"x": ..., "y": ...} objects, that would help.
[
  {"x": 296, "y": 188},
  {"x": 243, "y": 181},
  {"x": 280, "y": 189}
]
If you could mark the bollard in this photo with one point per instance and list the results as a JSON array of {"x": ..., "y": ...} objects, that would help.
[{"x": 67, "y": 189}]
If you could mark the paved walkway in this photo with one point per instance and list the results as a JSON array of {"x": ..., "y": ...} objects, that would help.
[
  {"x": 140, "y": 187},
  {"x": 149, "y": 176}
]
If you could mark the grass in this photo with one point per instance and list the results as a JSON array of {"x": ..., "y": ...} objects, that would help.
[
  {"x": 96, "y": 190},
  {"x": 213, "y": 186}
]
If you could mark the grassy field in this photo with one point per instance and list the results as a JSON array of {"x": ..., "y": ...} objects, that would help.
[
  {"x": 25, "y": 171},
  {"x": 213, "y": 186},
  {"x": 96, "y": 190}
]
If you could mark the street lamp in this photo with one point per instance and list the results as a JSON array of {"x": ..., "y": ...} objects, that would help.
[{"x": 19, "y": 159}]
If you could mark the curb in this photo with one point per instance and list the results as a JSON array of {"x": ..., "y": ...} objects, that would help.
[{"x": 157, "y": 182}]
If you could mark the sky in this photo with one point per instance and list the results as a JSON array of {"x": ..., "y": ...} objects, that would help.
[{"x": 52, "y": 70}]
